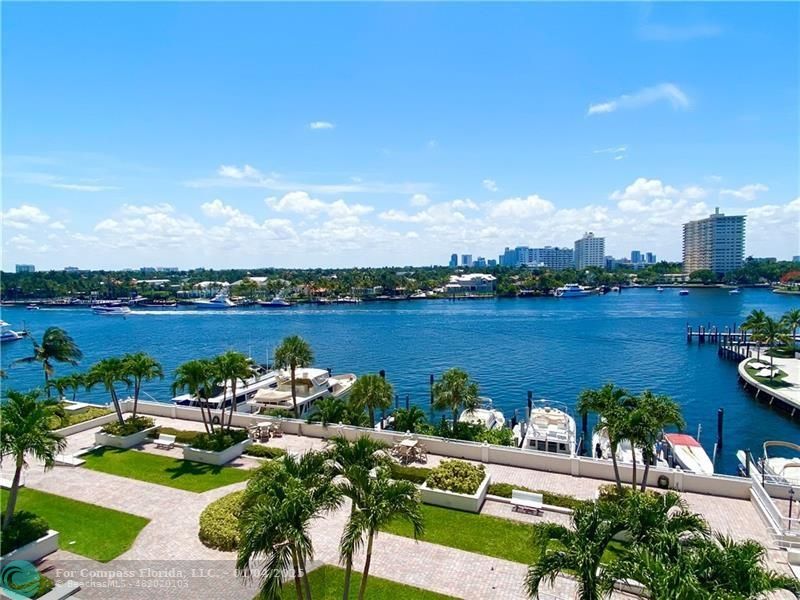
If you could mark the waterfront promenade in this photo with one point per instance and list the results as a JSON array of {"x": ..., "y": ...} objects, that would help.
[
  {"x": 172, "y": 534},
  {"x": 788, "y": 391}
]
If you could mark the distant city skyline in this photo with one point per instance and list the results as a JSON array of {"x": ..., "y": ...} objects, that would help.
[{"x": 132, "y": 138}]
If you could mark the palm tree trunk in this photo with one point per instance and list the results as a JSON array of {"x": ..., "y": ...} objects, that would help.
[
  {"x": 46, "y": 378},
  {"x": 298, "y": 584},
  {"x": 137, "y": 384},
  {"x": 633, "y": 456},
  {"x": 115, "y": 402},
  {"x": 371, "y": 412},
  {"x": 363, "y": 587},
  {"x": 12, "y": 493},
  {"x": 203, "y": 414},
  {"x": 294, "y": 395},
  {"x": 304, "y": 573},
  {"x": 616, "y": 466},
  {"x": 647, "y": 460},
  {"x": 348, "y": 567}
]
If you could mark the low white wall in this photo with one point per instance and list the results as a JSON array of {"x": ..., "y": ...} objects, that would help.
[
  {"x": 85, "y": 425},
  {"x": 34, "y": 551},
  {"x": 215, "y": 458},
  {"x": 122, "y": 441},
  {"x": 465, "y": 502}
]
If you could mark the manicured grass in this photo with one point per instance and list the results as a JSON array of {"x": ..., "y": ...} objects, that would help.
[
  {"x": 482, "y": 534},
  {"x": 776, "y": 382},
  {"x": 163, "y": 470},
  {"x": 327, "y": 583},
  {"x": 86, "y": 529}
]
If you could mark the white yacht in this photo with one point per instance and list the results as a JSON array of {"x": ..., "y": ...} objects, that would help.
[
  {"x": 734, "y": 291},
  {"x": 683, "y": 292},
  {"x": 218, "y": 302},
  {"x": 8, "y": 335},
  {"x": 348, "y": 300},
  {"x": 688, "y": 454},
  {"x": 572, "y": 290},
  {"x": 785, "y": 470},
  {"x": 625, "y": 450},
  {"x": 118, "y": 310},
  {"x": 659, "y": 289},
  {"x": 484, "y": 415},
  {"x": 311, "y": 385},
  {"x": 261, "y": 378},
  {"x": 550, "y": 428},
  {"x": 276, "y": 302}
]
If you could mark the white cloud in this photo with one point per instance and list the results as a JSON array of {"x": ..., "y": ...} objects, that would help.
[
  {"x": 302, "y": 203},
  {"x": 57, "y": 225},
  {"x": 321, "y": 125},
  {"x": 437, "y": 214},
  {"x": 521, "y": 208},
  {"x": 217, "y": 208},
  {"x": 490, "y": 185},
  {"x": 419, "y": 200},
  {"x": 82, "y": 187},
  {"x": 147, "y": 209},
  {"x": 23, "y": 216},
  {"x": 664, "y": 91},
  {"x": 747, "y": 192}
]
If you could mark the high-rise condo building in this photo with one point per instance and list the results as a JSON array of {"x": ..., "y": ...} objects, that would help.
[
  {"x": 549, "y": 257},
  {"x": 453, "y": 261},
  {"x": 466, "y": 260},
  {"x": 26, "y": 269},
  {"x": 590, "y": 251},
  {"x": 715, "y": 243}
]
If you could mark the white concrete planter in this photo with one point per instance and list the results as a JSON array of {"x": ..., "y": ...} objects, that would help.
[
  {"x": 120, "y": 441},
  {"x": 465, "y": 502},
  {"x": 216, "y": 458},
  {"x": 36, "y": 550}
]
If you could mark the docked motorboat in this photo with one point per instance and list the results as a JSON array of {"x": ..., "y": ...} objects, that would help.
[
  {"x": 261, "y": 378},
  {"x": 276, "y": 302},
  {"x": 218, "y": 302},
  {"x": 625, "y": 450},
  {"x": 114, "y": 310},
  {"x": 348, "y": 300},
  {"x": 572, "y": 290},
  {"x": 683, "y": 292},
  {"x": 550, "y": 428},
  {"x": 687, "y": 453},
  {"x": 785, "y": 470},
  {"x": 9, "y": 335},
  {"x": 484, "y": 415},
  {"x": 310, "y": 384},
  {"x": 420, "y": 295}
]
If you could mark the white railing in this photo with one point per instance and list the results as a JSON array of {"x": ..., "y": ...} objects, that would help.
[{"x": 783, "y": 526}]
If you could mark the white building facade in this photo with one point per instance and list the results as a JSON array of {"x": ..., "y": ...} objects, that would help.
[
  {"x": 590, "y": 251},
  {"x": 715, "y": 243}
]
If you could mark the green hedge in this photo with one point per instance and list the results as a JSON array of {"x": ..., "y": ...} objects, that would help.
[
  {"x": 129, "y": 426},
  {"x": 181, "y": 436},
  {"x": 219, "y": 440},
  {"x": 551, "y": 498},
  {"x": 219, "y": 522},
  {"x": 456, "y": 476},
  {"x": 24, "y": 528},
  {"x": 413, "y": 474},
  {"x": 264, "y": 451},
  {"x": 73, "y": 419}
]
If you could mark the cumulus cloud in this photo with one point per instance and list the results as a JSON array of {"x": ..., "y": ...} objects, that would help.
[
  {"x": 442, "y": 213},
  {"x": 419, "y": 200},
  {"x": 747, "y": 192},
  {"x": 521, "y": 208},
  {"x": 147, "y": 209},
  {"x": 490, "y": 185},
  {"x": 668, "y": 92},
  {"x": 321, "y": 125},
  {"x": 23, "y": 216},
  {"x": 302, "y": 203}
]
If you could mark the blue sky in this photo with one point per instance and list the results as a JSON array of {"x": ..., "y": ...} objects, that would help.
[{"x": 371, "y": 134}]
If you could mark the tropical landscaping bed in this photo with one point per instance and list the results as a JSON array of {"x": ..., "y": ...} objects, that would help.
[
  {"x": 776, "y": 381},
  {"x": 162, "y": 470},
  {"x": 74, "y": 418},
  {"x": 79, "y": 524}
]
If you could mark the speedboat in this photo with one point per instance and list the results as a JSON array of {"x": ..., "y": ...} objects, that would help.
[
  {"x": 32, "y": 307},
  {"x": 119, "y": 310},
  {"x": 218, "y": 302},
  {"x": 276, "y": 302},
  {"x": 260, "y": 378},
  {"x": 659, "y": 289},
  {"x": 8, "y": 335},
  {"x": 572, "y": 290},
  {"x": 323, "y": 301},
  {"x": 484, "y": 415},
  {"x": 784, "y": 470},
  {"x": 734, "y": 291},
  {"x": 310, "y": 384},
  {"x": 420, "y": 295},
  {"x": 688, "y": 454},
  {"x": 550, "y": 428},
  {"x": 683, "y": 292},
  {"x": 348, "y": 300}
]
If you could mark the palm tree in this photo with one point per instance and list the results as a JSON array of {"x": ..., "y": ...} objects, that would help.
[
  {"x": 773, "y": 333},
  {"x": 281, "y": 500},
  {"x": 293, "y": 352},
  {"x": 328, "y": 410},
  {"x": 650, "y": 518},
  {"x": 410, "y": 419},
  {"x": 792, "y": 321},
  {"x": 652, "y": 413},
  {"x": 141, "y": 367},
  {"x": 57, "y": 346},
  {"x": 349, "y": 464},
  {"x": 26, "y": 430},
  {"x": 109, "y": 372},
  {"x": 381, "y": 501},
  {"x": 196, "y": 377},
  {"x": 231, "y": 367},
  {"x": 74, "y": 381},
  {"x": 454, "y": 391},
  {"x": 579, "y": 551},
  {"x": 612, "y": 405},
  {"x": 754, "y": 323},
  {"x": 372, "y": 392}
]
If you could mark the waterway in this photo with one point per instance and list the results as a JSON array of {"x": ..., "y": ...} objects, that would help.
[{"x": 554, "y": 347}]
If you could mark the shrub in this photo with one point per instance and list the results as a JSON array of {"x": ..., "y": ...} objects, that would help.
[
  {"x": 219, "y": 522},
  {"x": 456, "y": 476},
  {"x": 181, "y": 436},
  {"x": 24, "y": 528},
  {"x": 551, "y": 498},
  {"x": 73, "y": 419},
  {"x": 219, "y": 440},
  {"x": 501, "y": 436},
  {"x": 413, "y": 474},
  {"x": 129, "y": 426},
  {"x": 280, "y": 413},
  {"x": 264, "y": 451}
]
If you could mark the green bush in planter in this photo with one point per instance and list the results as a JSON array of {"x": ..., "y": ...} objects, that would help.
[
  {"x": 456, "y": 476},
  {"x": 416, "y": 475},
  {"x": 181, "y": 436},
  {"x": 264, "y": 451},
  {"x": 504, "y": 490},
  {"x": 219, "y": 522},
  {"x": 24, "y": 528},
  {"x": 219, "y": 440},
  {"x": 129, "y": 426}
]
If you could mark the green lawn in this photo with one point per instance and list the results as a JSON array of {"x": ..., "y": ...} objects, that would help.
[
  {"x": 327, "y": 583},
  {"x": 172, "y": 472},
  {"x": 86, "y": 529},
  {"x": 777, "y": 380},
  {"x": 482, "y": 534}
]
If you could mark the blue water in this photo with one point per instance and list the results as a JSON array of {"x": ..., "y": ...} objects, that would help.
[{"x": 555, "y": 347}]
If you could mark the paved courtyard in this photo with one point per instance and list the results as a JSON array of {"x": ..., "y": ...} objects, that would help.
[{"x": 170, "y": 540}]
